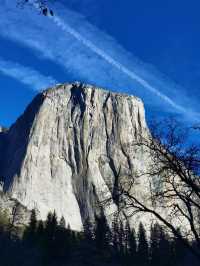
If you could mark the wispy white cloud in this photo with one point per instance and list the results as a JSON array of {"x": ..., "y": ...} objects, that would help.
[
  {"x": 26, "y": 75},
  {"x": 92, "y": 56},
  {"x": 131, "y": 74}
]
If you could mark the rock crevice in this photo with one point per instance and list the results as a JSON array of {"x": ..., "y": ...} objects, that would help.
[{"x": 69, "y": 149}]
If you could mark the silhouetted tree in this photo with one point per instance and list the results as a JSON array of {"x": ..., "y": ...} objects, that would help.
[
  {"x": 63, "y": 242},
  {"x": 115, "y": 235},
  {"x": 50, "y": 235},
  {"x": 55, "y": 245},
  {"x": 179, "y": 251},
  {"x": 131, "y": 255},
  {"x": 30, "y": 232},
  {"x": 102, "y": 235},
  {"x": 40, "y": 234},
  {"x": 127, "y": 234},
  {"x": 142, "y": 249},
  {"x": 121, "y": 239},
  {"x": 15, "y": 216},
  {"x": 62, "y": 222},
  {"x": 165, "y": 250},
  {"x": 51, "y": 225},
  {"x": 154, "y": 245},
  {"x": 88, "y": 230},
  {"x": 173, "y": 174},
  {"x": 33, "y": 222}
]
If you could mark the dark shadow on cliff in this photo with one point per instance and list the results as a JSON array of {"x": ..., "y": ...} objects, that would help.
[{"x": 14, "y": 142}]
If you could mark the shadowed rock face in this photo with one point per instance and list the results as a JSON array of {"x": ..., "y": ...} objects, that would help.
[{"x": 72, "y": 143}]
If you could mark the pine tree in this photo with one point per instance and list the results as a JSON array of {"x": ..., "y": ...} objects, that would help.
[
  {"x": 88, "y": 230},
  {"x": 132, "y": 255},
  {"x": 62, "y": 222},
  {"x": 143, "y": 249},
  {"x": 165, "y": 250},
  {"x": 154, "y": 245},
  {"x": 160, "y": 247},
  {"x": 54, "y": 221},
  {"x": 51, "y": 225},
  {"x": 127, "y": 233},
  {"x": 62, "y": 242},
  {"x": 50, "y": 235},
  {"x": 40, "y": 228},
  {"x": 178, "y": 251},
  {"x": 102, "y": 235},
  {"x": 121, "y": 239},
  {"x": 40, "y": 233},
  {"x": 33, "y": 222},
  {"x": 30, "y": 232},
  {"x": 115, "y": 236},
  {"x": 88, "y": 246}
]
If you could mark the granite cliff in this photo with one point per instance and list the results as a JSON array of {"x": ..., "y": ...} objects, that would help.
[{"x": 70, "y": 148}]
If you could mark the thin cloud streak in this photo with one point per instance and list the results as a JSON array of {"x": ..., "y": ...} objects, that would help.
[
  {"x": 26, "y": 75},
  {"x": 65, "y": 27},
  {"x": 105, "y": 62}
]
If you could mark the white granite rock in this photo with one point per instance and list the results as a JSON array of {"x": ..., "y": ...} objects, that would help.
[{"x": 65, "y": 152}]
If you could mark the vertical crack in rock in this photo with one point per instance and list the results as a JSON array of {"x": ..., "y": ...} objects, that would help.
[
  {"x": 70, "y": 150},
  {"x": 78, "y": 99}
]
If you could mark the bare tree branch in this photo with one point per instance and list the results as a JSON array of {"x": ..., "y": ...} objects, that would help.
[{"x": 173, "y": 174}]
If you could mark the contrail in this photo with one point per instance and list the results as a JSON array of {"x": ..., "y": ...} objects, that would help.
[
  {"x": 68, "y": 29},
  {"x": 26, "y": 75},
  {"x": 39, "y": 38}
]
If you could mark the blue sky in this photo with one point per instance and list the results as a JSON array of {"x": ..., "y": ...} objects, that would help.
[{"x": 145, "y": 48}]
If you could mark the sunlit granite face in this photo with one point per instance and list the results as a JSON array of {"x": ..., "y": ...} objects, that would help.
[
  {"x": 69, "y": 150},
  {"x": 64, "y": 153}
]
